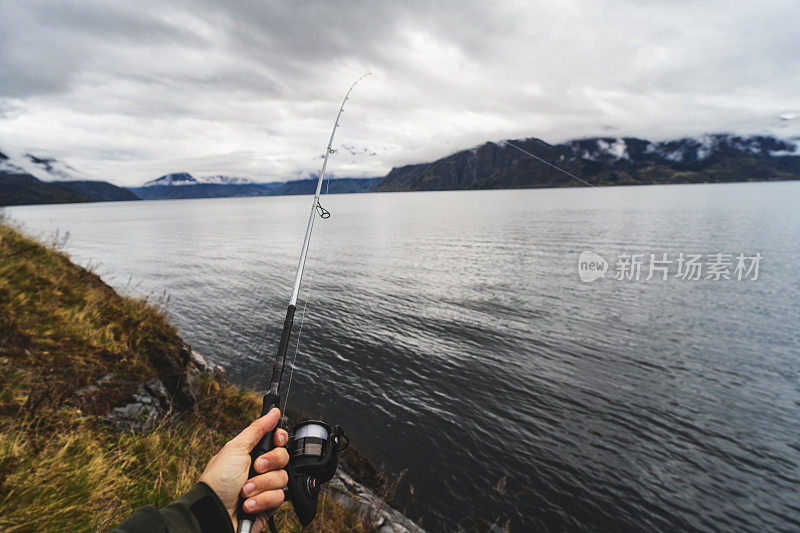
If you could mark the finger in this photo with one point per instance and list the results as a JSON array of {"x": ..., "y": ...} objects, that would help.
[
  {"x": 274, "y": 480},
  {"x": 272, "y": 460},
  {"x": 281, "y": 437},
  {"x": 250, "y": 435},
  {"x": 263, "y": 502}
]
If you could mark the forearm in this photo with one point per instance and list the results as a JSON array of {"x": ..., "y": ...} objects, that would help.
[{"x": 197, "y": 511}]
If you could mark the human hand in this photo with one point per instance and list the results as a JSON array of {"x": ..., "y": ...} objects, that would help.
[{"x": 227, "y": 472}]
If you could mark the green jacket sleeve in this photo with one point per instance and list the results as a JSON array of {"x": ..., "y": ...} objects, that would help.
[{"x": 198, "y": 511}]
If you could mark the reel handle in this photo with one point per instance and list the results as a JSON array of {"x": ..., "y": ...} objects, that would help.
[{"x": 266, "y": 444}]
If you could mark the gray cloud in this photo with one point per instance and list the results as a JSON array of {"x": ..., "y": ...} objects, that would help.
[{"x": 130, "y": 90}]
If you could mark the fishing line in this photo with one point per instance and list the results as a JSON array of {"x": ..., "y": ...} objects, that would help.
[
  {"x": 324, "y": 214},
  {"x": 305, "y": 304},
  {"x": 314, "y": 448},
  {"x": 570, "y": 174}
]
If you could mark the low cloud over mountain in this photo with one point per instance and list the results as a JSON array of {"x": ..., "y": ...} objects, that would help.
[
  {"x": 126, "y": 90},
  {"x": 29, "y": 179}
]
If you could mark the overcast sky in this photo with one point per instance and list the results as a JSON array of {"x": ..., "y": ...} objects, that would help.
[{"x": 127, "y": 91}]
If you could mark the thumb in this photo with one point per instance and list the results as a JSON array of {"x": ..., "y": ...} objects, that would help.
[{"x": 253, "y": 433}]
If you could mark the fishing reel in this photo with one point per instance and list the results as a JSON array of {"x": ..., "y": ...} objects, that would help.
[{"x": 313, "y": 456}]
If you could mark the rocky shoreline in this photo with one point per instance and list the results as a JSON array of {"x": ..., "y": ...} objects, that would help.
[
  {"x": 369, "y": 506},
  {"x": 100, "y": 399}
]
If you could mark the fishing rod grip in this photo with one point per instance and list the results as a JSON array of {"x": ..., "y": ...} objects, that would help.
[
  {"x": 267, "y": 443},
  {"x": 271, "y": 399},
  {"x": 283, "y": 347}
]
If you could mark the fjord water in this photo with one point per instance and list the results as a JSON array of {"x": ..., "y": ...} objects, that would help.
[{"x": 450, "y": 334}]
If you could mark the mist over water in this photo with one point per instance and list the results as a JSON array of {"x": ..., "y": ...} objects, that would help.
[{"x": 450, "y": 334}]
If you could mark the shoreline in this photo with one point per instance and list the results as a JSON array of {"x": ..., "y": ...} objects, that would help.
[{"x": 377, "y": 192}]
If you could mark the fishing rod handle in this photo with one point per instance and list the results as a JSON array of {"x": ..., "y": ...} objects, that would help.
[{"x": 267, "y": 443}]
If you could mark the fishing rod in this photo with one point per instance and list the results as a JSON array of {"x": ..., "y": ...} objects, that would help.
[{"x": 314, "y": 447}]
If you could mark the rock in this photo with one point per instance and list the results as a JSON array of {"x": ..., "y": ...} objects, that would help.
[
  {"x": 369, "y": 506},
  {"x": 177, "y": 390},
  {"x": 97, "y": 385},
  {"x": 182, "y": 380},
  {"x": 157, "y": 392},
  {"x": 88, "y": 389},
  {"x": 108, "y": 378},
  {"x": 151, "y": 403},
  {"x": 204, "y": 366},
  {"x": 184, "y": 386}
]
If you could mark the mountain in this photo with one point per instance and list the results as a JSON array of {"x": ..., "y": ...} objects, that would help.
[
  {"x": 335, "y": 186},
  {"x": 597, "y": 160},
  {"x": 23, "y": 189},
  {"x": 184, "y": 178},
  {"x": 99, "y": 191},
  {"x": 184, "y": 185},
  {"x": 202, "y": 190},
  {"x": 603, "y": 161},
  {"x": 28, "y": 179}
]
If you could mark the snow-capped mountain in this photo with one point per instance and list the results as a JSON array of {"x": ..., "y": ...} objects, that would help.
[
  {"x": 224, "y": 180},
  {"x": 184, "y": 185},
  {"x": 42, "y": 168},
  {"x": 184, "y": 178}
]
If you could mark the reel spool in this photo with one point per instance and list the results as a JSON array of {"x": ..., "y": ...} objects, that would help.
[
  {"x": 310, "y": 438},
  {"x": 313, "y": 457}
]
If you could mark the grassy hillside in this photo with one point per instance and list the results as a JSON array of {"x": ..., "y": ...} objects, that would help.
[{"x": 71, "y": 349}]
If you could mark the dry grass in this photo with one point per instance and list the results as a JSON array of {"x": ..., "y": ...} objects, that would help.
[
  {"x": 87, "y": 477},
  {"x": 61, "y": 467}
]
